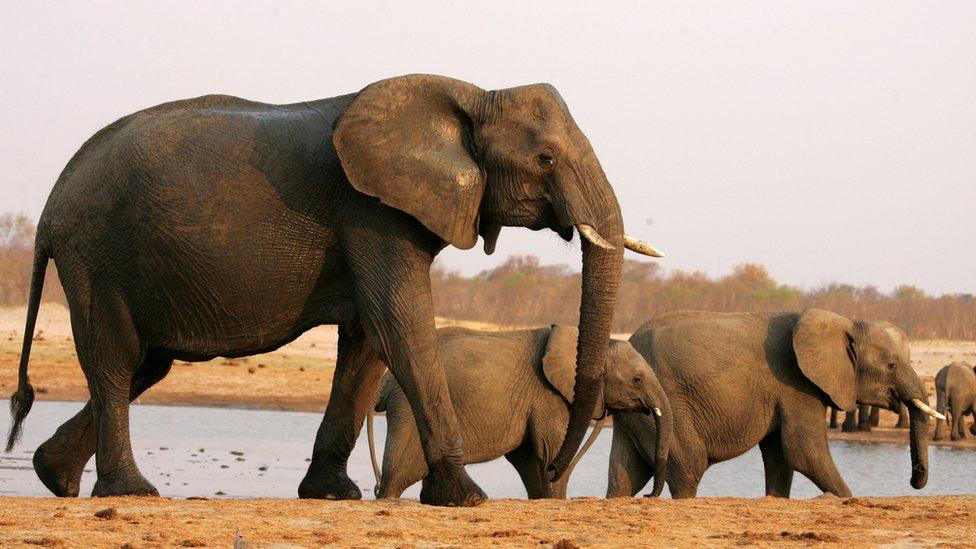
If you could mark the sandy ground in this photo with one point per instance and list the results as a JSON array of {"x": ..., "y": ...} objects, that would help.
[
  {"x": 586, "y": 522},
  {"x": 298, "y": 376}
]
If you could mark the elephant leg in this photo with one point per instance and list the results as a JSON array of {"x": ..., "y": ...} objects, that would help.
[
  {"x": 403, "y": 458},
  {"x": 396, "y": 308},
  {"x": 60, "y": 460},
  {"x": 628, "y": 471},
  {"x": 779, "y": 475},
  {"x": 875, "y": 417},
  {"x": 357, "y": 375},
  {"x": 864, "y": 418},
  {"x": 833, "y": 418},
  {"x": 110, "y": 353},
  {"x": 532, "y": 472},
  {"x": 902, "y": 417},
  {"x": 850, "y": 421},
  {"x": 805, "y": 448},
  {"x": 958, "y": 419},
  {"x": 685, "y": 470}
]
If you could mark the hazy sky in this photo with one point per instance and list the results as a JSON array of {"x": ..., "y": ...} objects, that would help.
[{"x": 831, "y": 141}]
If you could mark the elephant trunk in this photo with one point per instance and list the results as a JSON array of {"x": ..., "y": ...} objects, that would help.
[
  {"x": 912, "y": 393},
  {"x": 600, "y": 279},
  {"x": 665, "y": 432},
  {"x": 918, "y": 426}
]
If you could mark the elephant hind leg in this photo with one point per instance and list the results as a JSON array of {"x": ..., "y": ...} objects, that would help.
[
  {"x": 357, "y": 376},
  {"x": 60, "y": 460},
  {"x": 805, "y": 449},
  {"x": 779, "y": 475}
]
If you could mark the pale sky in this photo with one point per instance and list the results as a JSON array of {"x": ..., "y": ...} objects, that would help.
[{"x": 830, "y": 141}]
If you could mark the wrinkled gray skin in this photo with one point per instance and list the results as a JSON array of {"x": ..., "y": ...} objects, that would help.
[
  {"x": 738, "y": 380},
  {"x": 511, "y": 392},
  {"x": 955, "y": 397},
  {"x": 219, "y": 226}
]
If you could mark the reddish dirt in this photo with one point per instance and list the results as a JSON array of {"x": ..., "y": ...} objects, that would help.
[{"x": 946, "y": 521}]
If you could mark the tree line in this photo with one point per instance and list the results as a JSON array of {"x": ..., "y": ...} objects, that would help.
[{"x": 522, "y": 292}]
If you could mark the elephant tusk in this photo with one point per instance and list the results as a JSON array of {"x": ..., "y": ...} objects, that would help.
[
  {"x": 925, "y": 408},
  {"x": 641, "y": 247},
  {"x": 657, "y": 411},
  {"x": 588, "y": 232}
]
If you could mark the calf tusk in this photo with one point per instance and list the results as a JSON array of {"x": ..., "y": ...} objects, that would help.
[
  {"x": 925, "y": 408},
  {"x": 657, "y": 411},
  {"x": 641, "y": 247},
  {"x": 594, "y": 237}
]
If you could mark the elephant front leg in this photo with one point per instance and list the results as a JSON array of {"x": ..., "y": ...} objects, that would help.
[
  {"x": 779, "y": 475},
  {"x": 354, "y": 384},
  {"x": 393, "y": 297},
  {"x": 806, "y": 450}
]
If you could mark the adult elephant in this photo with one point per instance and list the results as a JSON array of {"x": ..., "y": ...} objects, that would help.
[
  {"x": 219, "y": 226},
  {"x": 738, "y": 380},
  {"x": 512, "y": 392},
  {"x": 955, "y": 396}
]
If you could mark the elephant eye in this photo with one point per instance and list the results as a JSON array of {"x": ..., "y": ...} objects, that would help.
[
  {"x": 547, "y": 160},
  {"x": 638, "y": 380},
  {"x": 892, "y": 365}
]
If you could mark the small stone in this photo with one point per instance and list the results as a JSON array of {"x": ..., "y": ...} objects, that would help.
[{"x": 107, "y": 514}]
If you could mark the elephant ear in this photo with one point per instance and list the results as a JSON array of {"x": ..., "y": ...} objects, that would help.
[
  {"x": 406, "y": 140},
  {"x": 559, "y": 364},
  {"x": 822, "y": 341}
]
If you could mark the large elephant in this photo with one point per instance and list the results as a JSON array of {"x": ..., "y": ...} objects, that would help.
[
  {"x": 738, "y": 380},
  {"x": 955, "y": 397},
  {"x": 218, "y": 226},
  {"x": 512, "y": 392}
]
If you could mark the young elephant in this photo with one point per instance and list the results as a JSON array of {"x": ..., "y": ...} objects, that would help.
[
  {"x": 955, "y": 396},
  {"x": 511, "y": 392},
  {"x": 738, "y": 380}
]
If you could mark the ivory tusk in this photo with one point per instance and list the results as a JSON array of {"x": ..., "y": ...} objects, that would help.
[
  {"x": 641, "y": 247},
  {"x": 925, "y": 408},
  {"x": 657, "y": 411},
  {"x": 588, "y": 232}
]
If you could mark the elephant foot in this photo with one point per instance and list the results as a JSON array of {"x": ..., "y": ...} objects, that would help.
[
  {"x": 958, "y": 436},
  {"x": 848, "y": 428},
  {"x": 938, "y": 437},
  {"x": 450, "y": 487},
  {"x": 60, "y": 472},
  {"x": 864, "y": 428},
  {"x": 133, "y": 484},
  {"x": 972, "y": 429},
  {"x": 335, "y": 486}
]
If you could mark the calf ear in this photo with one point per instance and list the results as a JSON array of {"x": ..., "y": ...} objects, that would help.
[
  {"x": 559, "y": 364},
  {"x": 823, "y": 343}
]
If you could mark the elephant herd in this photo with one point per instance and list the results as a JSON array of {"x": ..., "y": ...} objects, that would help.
[
  {"x": 218, "y": 226},
  {"x": 687, "y": 390}
]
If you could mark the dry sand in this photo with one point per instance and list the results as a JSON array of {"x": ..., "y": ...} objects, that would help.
[{"x": 586, "y": 522}]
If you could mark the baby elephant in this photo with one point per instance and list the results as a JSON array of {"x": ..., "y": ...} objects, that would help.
[
  {"x": 511, "y": 392},
  {"x": 955, "y": 396}
]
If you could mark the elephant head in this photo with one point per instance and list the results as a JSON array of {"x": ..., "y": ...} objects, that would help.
[
  {"x": 867, "y": 363},
  {"x": 465, "y": 161},
  {"x": 629, "y": 385}
]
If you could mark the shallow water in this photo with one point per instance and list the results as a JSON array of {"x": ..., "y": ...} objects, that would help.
[{"x": 188, "y": 451}]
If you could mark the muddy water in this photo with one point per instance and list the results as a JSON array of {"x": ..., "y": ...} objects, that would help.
[{"x": 220, "y": 452}]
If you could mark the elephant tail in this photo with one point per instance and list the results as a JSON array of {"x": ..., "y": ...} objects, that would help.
[
  {"x": 586, "y": 446},
  {"x": 941, "y": 400},
  {"x": 380, "y": 405},
  {"x": 22, "y": 400},
  {"x": 371, "y": 437}
]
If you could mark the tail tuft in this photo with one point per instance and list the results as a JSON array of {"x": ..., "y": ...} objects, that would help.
[{"x": 20, "y": 405}]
